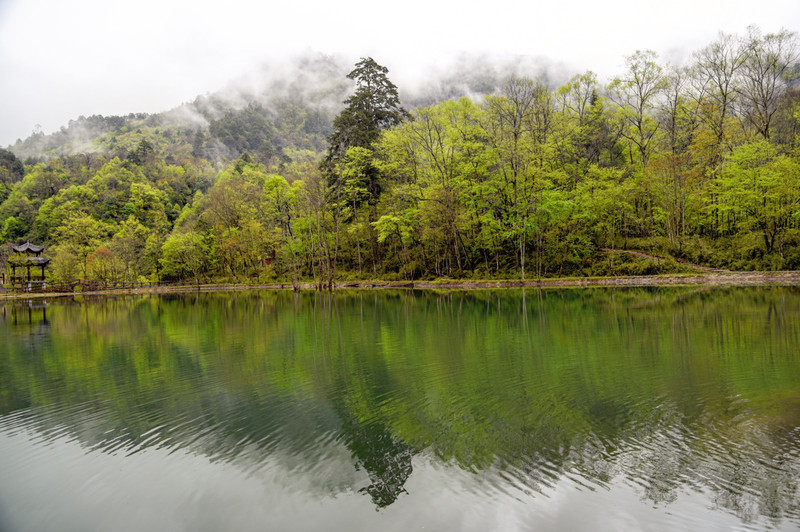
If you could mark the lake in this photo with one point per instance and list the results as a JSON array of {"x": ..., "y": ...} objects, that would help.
[{"x": 575, "y": 409}]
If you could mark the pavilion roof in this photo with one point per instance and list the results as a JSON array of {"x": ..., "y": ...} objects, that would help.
[{"x": 27, "y": 247}]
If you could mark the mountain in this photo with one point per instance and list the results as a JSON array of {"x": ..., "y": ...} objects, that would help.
[{"x": 273, "y": 113}]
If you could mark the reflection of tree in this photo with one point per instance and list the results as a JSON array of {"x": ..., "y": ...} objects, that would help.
[
  {"x": 385, "y": 458},
  {"x": 374, "y": 446}
]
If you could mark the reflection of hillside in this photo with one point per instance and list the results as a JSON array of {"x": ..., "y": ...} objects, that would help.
[{"x": 691, "y": 392}]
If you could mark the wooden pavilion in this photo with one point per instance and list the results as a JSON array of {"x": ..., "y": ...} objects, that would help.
[{"x": 28, "y": 256}]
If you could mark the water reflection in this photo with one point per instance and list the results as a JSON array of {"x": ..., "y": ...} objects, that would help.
[
  {"x": 386, "y": 459},
  {"x": 32, "y": 313},
  {"x": 680, "y": 393}
]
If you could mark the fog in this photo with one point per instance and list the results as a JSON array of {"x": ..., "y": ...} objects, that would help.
[{"x": 62, "y": 60}]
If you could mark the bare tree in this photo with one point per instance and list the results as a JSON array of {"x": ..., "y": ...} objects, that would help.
[
  {"x": 765, "y": 74},
  {"x": 678, "y": 116},
  {"x": 715, "y": 67},
  {"x": 578, "y": 94},
  {"x": 635, "y": 95}
]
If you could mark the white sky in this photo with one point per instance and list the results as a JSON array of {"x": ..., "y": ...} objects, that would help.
[{"x": 61, "y": 59}]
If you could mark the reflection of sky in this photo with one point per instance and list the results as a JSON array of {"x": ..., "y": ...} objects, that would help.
[{"x": 56, "y": 485}]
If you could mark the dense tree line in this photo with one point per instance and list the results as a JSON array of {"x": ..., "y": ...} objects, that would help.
[{"x": 699, "y": 162}]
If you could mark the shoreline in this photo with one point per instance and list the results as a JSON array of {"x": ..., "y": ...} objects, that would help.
[{"x": 781, "y": 278}]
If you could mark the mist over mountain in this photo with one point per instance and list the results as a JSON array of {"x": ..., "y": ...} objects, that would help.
[
  {"x": 476, "y": 75},
  {"x": 280, "y": 108}
]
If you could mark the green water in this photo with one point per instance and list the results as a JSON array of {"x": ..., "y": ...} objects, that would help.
[{"x": 579, "y": 409}]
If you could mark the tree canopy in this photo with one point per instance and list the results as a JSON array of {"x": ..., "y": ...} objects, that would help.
[{"x": 373, "y": 108}]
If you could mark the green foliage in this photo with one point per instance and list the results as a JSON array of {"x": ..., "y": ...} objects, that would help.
[
  {"x": 760, "y": 192},
  {"x": 11, "y": 168},
  {"x": 373, "y": 108},
  {"x": 184, "y": 255},
  {"x": 128, "y": 247},
  {"x": 14, "y": 229},
  {"x": 80, "y": 236},
  {"x": 247, "y": 130},
  {"x": 144, "y": 151},
  {"x": 527, "y": 181},
  {"x": 614, "y": 263}
]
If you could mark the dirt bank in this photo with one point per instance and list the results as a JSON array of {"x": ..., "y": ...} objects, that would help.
[{"x": 704, "y": 278}]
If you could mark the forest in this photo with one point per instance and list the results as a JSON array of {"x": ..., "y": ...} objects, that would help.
[{"x": 691, "y": 164}]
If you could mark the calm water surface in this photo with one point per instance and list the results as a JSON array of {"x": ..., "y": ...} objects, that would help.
[{"x": 581, "y": 409}]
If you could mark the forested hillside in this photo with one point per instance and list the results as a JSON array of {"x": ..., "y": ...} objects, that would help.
[{"x": 327, "y": 176}]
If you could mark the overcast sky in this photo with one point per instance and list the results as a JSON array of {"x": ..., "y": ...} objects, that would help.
[{"x": 62, "y": 59}]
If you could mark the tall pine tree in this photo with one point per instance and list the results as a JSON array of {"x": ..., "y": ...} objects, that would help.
[{"x": 374, "y": 107}]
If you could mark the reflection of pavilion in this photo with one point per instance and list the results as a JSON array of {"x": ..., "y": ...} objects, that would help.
[
  {"x": 34, "y": 311},
  {"x": 28, "y": 256}
]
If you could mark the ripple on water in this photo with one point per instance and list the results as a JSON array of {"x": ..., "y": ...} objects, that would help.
[{"x": 383, "y": 403}]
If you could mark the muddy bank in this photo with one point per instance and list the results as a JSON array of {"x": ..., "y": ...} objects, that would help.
[{"x": 710, "y": 278}]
